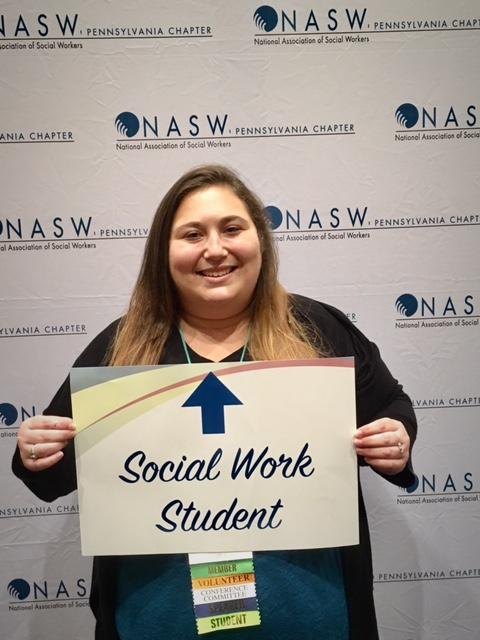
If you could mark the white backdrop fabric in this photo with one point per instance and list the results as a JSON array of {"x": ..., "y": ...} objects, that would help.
[{"x": 358, "y": 125}]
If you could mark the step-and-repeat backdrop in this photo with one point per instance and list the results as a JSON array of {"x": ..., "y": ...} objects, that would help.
[{"x": 359, "y": 126}]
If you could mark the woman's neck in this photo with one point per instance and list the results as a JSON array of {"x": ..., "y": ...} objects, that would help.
[{"x": 215, "y": 338}]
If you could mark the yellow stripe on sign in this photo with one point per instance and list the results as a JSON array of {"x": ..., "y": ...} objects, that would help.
[
  {"x": 100, "y": 400},
  {"x": 103, "y": 408}
]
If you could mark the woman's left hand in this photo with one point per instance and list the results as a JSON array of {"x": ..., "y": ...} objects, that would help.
[{"x": 384, "y": 445}]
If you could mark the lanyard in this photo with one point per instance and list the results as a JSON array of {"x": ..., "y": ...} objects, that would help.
[{"x": 187, "y": 353}]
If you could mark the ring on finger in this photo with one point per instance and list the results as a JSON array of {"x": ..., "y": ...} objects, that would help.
[
  {"x": 33, "y": 455},
  {"x": 400, "y": 447}
]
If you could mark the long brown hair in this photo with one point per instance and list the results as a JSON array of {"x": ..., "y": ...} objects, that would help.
[{"x": 154, "y": 309}]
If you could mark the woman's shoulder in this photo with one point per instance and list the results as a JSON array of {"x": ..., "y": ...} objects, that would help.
[
  {"x": 315, "y": 309},
  {"x": 95, "y": 353},
  {"x": 331, "y": 323}
]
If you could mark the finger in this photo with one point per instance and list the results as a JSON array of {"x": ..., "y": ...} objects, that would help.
[
  {"x": 30, "y": 453},
  {"x": 50, "y": 422},
  {"x": 383, "y": 425},
  {"x": 381, "y": 453},
  {"x": 389, "y": 439},
  {"x": 40, "y": 464},
  {"x": 36, "y": 436},
  {"x": 45, "y": 450}
]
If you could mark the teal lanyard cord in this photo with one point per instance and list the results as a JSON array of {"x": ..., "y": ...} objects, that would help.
[{"x": 187, "y": 354}]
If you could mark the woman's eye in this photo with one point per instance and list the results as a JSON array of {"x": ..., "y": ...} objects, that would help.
[
  {"x": 192, "y": 235},
  {"x": 232, "y": 229}
]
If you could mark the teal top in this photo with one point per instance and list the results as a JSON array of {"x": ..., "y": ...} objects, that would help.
[{"x": 300, "y": 595}]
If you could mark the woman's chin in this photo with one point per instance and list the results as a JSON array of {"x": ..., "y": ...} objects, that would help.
[{"x": 216, "y": 304}]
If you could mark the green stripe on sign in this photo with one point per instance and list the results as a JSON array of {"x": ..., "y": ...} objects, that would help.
[
  {"x": 213, "y": 569},
  {"x": 229, "y": 621}
]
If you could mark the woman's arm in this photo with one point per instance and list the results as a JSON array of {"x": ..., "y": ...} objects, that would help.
[{"x": 53, "y": 473}]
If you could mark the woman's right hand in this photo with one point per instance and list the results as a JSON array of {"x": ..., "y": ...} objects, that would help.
[{"x": 41, "y": 440}]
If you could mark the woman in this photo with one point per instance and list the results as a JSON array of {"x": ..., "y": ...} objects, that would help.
[{"x": 208, "y": 291}]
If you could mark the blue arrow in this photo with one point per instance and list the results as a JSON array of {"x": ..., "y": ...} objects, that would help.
[{"x": 212, "y": 396}]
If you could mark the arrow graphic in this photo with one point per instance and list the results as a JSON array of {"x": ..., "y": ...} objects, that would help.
[{"x": 212, "y": 396}]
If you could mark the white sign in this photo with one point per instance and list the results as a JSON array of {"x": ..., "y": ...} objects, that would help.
[{"x": 216, "y": 457}]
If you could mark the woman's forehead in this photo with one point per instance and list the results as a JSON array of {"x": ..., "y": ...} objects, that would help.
[{"x": 217, "y": 201}]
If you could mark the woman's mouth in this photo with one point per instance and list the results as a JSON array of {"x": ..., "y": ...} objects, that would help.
[{"x": 216, "y": 273}]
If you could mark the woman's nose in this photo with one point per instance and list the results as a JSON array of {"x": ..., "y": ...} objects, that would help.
[{"x": 214, "y": 247}]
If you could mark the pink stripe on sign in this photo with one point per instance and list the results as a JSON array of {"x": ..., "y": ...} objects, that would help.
[{"x": 237, "y": 368}]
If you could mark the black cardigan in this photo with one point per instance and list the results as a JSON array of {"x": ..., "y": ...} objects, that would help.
[{"x": 378, "y": 395}]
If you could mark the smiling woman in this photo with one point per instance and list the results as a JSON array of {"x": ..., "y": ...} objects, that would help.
[
  {"x": 210, "y": 268},
  {"x": 208, "y": 290},
  {"x": 215, "y": 254}
]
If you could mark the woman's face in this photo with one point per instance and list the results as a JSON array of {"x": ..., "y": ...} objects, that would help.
[{"x": 214, "y": 255}]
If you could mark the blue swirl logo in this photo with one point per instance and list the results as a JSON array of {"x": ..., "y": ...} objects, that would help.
[
  {"x": 407, "y": 115},
  {"x": 406, "y": 304},
  {"x": 127, "y": 124},
  {"x": 414, "y": 486},
  {"x": 265, "y": 18},
  {"x": 19, "y": 589},
  {"x": 8, "y": 414},
  {"x": 274, "y": 216}
]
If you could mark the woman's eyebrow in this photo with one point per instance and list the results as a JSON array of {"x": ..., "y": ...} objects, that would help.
[{"x": 224, "y": 220}]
